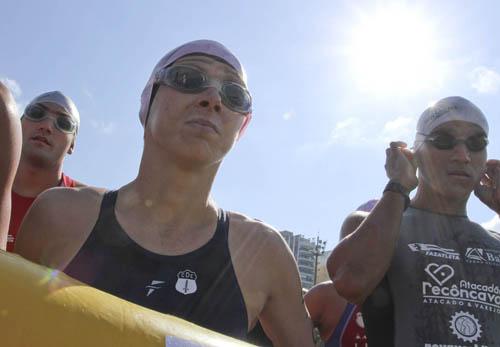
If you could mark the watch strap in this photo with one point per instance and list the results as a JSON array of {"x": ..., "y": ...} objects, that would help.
[{"x": 396, "y": 187}]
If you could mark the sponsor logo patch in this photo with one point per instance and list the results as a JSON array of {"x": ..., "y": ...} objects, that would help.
[
  {"x": 442, "y": 288},
  {"x": 434, "y": 251},
  {"x": 482, "y": 256},
  {"x": 465, "y": 326},
  {"x": 440, "y": 273},
  {"x": 153, "y": 286},
  {"x": 186, "y": 282}
]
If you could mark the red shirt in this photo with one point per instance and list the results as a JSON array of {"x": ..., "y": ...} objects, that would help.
[
  {"x": 20, "y": 205},
  {"x": 350, "y": 331}
]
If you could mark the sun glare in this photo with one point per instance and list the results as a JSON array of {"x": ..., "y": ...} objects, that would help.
[{"x": 393, "y": 51}]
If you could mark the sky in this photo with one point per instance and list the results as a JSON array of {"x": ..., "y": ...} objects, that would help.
[{"x": 332, "y": 83}]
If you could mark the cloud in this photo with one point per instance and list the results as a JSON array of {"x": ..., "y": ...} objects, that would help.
[
  {"x": 349, "y": 131},
  {"x": 354, "y": 131},
  {"x": 358, "y": 132},
  {"x": 89, "y": 95},
  {"x": 103, "y": 127},
  {"x": 288, "y": 115},
  {"x": 493, "y": 224},
  {"x": 485, "y": 80},
  {"x": 401, "y": 128},
  {"x": 13, "y": 86}
]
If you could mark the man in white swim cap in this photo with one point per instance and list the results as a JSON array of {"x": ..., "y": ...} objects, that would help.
[
  {"x": 424, "y": 272},
  {"x": 49, "y": 123},
  {"x": 161, "y": 241}
]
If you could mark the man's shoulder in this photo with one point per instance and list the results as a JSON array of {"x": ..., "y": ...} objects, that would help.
[
  {"x": 70, "y": 200},
  {"x": 352, "y": 222},
  {"x": 256, "y": 239},
  {"x": 356, "y": 216},
  {"x": 252, "y": 228},
  {"x": 70, "y": 182},
  {"x": 321, "y": 292},
  {"x": 481, "y": 232},
  {"x": 325, "y": 292},
  {"x": 57, "y": 224},
  {"x": 240, "y": 221},
  {"x": 493, "y": 234}
]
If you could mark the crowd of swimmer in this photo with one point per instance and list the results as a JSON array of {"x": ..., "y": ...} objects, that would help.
[{"x": 406, "y": 272}]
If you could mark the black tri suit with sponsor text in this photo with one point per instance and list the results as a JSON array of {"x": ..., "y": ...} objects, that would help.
[
  {"x": 200, "y": 286},
  {"x": 442, "y": 287}
]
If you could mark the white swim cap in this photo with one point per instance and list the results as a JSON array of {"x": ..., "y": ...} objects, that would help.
[
  {"x": 449, "y": 109},
  {"x": 58, "y": 98}
]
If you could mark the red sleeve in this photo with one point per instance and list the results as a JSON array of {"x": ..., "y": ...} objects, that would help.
[{"x": 67, "y": 181}]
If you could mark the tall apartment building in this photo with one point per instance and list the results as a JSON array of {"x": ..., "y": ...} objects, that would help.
[
  {"x": 322, "y": 272},
  {"x": 302, "y": 250}
]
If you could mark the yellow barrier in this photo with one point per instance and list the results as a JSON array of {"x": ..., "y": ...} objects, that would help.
[{"x": 45, "y": 308}]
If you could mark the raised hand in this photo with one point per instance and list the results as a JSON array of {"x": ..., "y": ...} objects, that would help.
[
  {"x": 487, "y": 189},
  {"x": 400, "y": 165}
]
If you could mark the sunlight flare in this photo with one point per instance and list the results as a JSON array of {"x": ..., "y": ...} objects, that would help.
[{"x": 393, "y": 51}]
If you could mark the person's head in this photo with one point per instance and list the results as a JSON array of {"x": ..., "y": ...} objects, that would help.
[
  {"x": 196, "y": 100},
  {"x": 50, "y": 123},
  {"x": 450, "y": 147},
  {"x": 364, "y": 208}
]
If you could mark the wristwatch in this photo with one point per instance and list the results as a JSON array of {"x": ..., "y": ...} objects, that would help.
[{"x": 396, "y": 187}]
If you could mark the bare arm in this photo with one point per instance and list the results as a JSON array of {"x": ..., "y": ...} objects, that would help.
[
  {"x": 10, "y": 143},
  {"x": 360, "y": 261},
  {"x": 57, "y": 224},
  {"x": 326, "y": 307},
  {"x": 284, "y": 317}
]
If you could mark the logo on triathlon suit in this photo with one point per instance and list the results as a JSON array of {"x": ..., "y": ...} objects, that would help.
[
  {"x": 465, "y": 326},
  {"x": 186, "y": 282},
  {"x": 483, "y": 256},
  {"x": 359, "y": 320},
  {"x": 153, "y": 286},
  {"x": 445, "y": 288},
  {"x": 440, "y": 273},
  {"x": 434, "y": 251}
]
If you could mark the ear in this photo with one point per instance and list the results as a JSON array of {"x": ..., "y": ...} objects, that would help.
[
  {"x": 71, "y": 147},
  {"x": 246, "y": 121}
]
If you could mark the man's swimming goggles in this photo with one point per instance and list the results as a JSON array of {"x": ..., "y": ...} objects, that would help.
[
  {"x": 37, "y": 113},
  {"x": 190, "y": 80},
  {"x": 445, "y": 141}
]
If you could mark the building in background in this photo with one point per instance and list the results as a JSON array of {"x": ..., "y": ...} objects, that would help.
[
  {"x": 305, "y": 252},
  {"x": 322, "y": 273}
]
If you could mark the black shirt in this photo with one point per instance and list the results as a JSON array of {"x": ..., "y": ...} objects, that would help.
[{"x": 200, "y": 286}]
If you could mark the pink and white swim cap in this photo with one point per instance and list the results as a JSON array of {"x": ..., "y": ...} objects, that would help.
[{"x": 207, "y": 47}]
